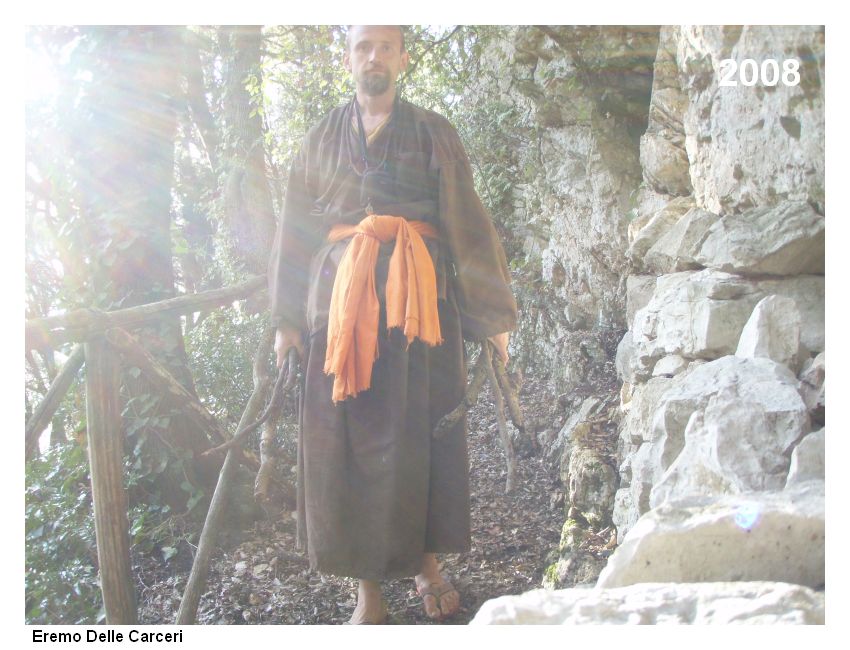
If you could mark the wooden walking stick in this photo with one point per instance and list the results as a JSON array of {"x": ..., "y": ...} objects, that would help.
[
  {"x": 489, "y": 366},
  {"x": 504, "y": 434},
  {"x": 200, "y": 567}
]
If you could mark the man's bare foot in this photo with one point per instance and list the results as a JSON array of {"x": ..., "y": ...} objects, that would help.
[
  {"x": 371, "y": 608},
  {"x": 440, "y": 598}
]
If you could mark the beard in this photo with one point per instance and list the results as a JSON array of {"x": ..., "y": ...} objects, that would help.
[{"x": 375, "y": 82}]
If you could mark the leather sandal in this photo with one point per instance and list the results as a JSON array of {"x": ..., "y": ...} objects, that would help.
[{"x": 438, "y": 591}]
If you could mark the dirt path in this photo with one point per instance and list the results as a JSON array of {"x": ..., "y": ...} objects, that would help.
[{"x": 263, "y": 579}]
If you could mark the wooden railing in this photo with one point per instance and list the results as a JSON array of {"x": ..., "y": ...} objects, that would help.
[{"x": 103, "y": 341}]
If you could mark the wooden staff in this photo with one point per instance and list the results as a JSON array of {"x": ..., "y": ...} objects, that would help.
[
  {"x": 489, "y": 366},
  {"x": 285, "y": 381},
  {"x": 206, "y": 545},
  {"x": 504, "y": 434},
  {"x": 470, "y": 397},
  {"x": 268, "y": 449}
]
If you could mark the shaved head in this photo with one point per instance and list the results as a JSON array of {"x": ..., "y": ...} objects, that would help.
[{"x": 351, "y": 28}]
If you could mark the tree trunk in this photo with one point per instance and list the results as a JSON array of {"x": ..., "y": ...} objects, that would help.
[
  {"x": 196, "y": 263},
  {"x": 127, "y": 165},
  {"x": 248, "y": 200},
  {"x": 131, "y": 164},
  {"x": 196, "y": 97}
]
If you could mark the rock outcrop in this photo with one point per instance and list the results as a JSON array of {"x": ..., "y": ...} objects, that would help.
[
  {"x": 578, "y": 98},
  {"x": 712, "y": 262},
  {"x": 719, "y": 603},
  {"x": 772, "y": 332},
  {"x": 774, "y": 536},
  {"x": 807, "y": 461},
  {"x": 737, "y": 305}
]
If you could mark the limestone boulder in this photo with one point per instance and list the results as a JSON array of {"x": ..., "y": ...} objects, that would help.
[
  {"x": 732, "y": 446},
  {"x": 695, "y": 314},
  {"x": 718, "y": 603},
  {"x": 653, "y": 431},
  {"x": 701, "y": 314},
  {"x": 637, "y": 425},
  {"x": 644, "y": 235},
  {"x": 774, "y": 536},
  {"x": 641, "y": 468},
  {"x": 772, "y": 331},
  {"x": 639, "y": 290},
  {"x": 783, "y": 239},
  {"x": 808, "y": 294},
  {"x": 677, "y": 249},
  {"x": 808, "y": 460},
  {"x": 729, "y": 427},
  {"x": 670, "y": 366},
  {"x": 647, "y": 202},
  {"x": 629, "y": 369}
]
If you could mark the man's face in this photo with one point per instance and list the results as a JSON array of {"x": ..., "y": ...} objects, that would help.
[{"x": 374, "y": 58}]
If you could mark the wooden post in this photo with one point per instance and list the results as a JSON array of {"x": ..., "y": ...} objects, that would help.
[
  {"x": 106, "y": 452},
  {"x": 45, "y": 410}
]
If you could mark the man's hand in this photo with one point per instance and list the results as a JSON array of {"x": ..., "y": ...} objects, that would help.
[
  {"x": 501, "y": 343},
  {"x": 285, "y": 338}
]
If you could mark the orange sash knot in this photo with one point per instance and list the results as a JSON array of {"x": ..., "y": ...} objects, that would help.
[{"x": 411, "y": 295}]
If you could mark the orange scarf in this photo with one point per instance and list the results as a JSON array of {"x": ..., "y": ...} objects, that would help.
[{"x": 411, "y": 295}]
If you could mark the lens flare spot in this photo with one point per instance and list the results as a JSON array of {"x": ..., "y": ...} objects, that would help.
[{"x": 747, "y": 515}]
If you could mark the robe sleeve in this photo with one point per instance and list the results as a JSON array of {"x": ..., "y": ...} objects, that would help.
[
  {"x": 295, "y": 241},
  {"x": 482, "y": 278}
]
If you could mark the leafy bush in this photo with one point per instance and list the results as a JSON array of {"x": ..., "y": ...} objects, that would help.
[
  {"x": 61, "y": 581},
  {"x": 61, "y": 557}
]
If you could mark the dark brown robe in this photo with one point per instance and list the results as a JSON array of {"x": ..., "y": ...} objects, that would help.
[{"x": 375, "y": 491}]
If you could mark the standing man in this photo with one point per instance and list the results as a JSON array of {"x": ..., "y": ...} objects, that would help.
[{"x": 384, "y": 261}]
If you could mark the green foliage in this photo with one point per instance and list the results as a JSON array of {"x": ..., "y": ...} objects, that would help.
[
  {"x": 221, "y": 350},
  {"x": 550, "y": 576},
  {"x": 304, "y": 80},
  {"x": 61, "y": 560}
]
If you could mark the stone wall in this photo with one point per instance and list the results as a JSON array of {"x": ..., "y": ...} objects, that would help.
[
  {"x": 727, "y": 302},
  {"x": 581, "y": 99},
  {"x": 694, "y": 221}
]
